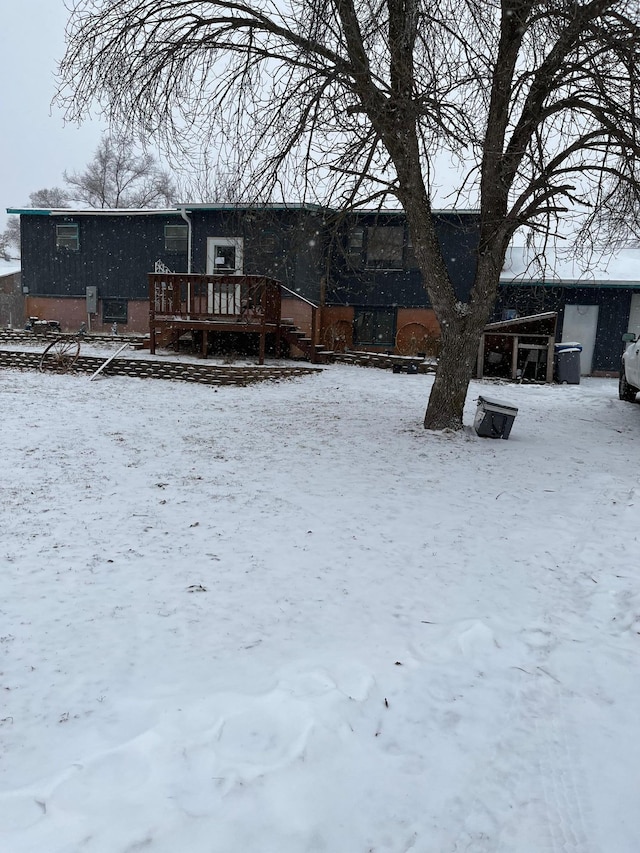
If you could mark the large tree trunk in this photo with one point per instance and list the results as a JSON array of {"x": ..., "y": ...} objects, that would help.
[
  {"x": 461, "y": 329},
  {"x": 456, "y": 365}
]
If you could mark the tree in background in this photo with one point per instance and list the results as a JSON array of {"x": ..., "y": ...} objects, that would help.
[
  {"x": 10, "y": 240},
  {"x": 121, "y": 176},
  {"x": 50, "y": 199},
  {"x": 53, "y": 198},
  {"x": 117, "y": 176},
  {"x": 350, "y": 102}
]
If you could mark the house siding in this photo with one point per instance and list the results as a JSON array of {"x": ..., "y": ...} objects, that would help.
[
  {"x": 362, "y": 285},
  {"x": 283, "y": 244},
  {"x": 613, "y": 303},
  {"x": 115, "y": 255}
]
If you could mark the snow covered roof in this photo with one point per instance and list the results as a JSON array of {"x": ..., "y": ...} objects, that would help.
[
  {"x": 150, "y": 211},
  {"x": 175, "y": 211},
  {"x": 615, "y": 269},
  {"x": 9, "y": 267},
  {"x": 518, "y": 322}
]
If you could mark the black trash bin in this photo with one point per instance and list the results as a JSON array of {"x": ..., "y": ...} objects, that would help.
[
  {"x": 567, "y": 356},
  {"x": 494, "y": 419}
]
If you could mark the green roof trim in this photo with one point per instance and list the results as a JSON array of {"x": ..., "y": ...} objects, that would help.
[
  {"x": 18, "y": 211},
  {"x": 97, "y": 211}
]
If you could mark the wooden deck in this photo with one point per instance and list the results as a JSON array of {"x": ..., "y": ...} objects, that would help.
[{"x": 206, "y": 304}]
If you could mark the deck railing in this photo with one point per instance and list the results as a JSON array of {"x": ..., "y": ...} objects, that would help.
[
  {"x": 302, "y": 311},
  {"x": 186, "y": 300},
  {"x": 202, "y": 297}
]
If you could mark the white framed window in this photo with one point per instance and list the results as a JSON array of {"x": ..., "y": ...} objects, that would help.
[{"x": 225, "y": 255}]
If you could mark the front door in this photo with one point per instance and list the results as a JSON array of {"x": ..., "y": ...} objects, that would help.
[
  {"x": 224, "y": 257},
  {"x": 580, "y": 325}
]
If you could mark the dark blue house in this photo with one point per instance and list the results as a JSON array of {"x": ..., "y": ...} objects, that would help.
[{"x": 92, "y": 266}]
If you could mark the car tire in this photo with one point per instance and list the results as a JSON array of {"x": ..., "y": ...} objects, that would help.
[{"x": 625, "y": 391}]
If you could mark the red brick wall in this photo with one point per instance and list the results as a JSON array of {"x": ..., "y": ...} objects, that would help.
[{"x": 70, "y": 313}]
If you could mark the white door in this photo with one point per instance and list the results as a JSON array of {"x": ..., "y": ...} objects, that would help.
[
  {"x": 224, "y": 257},
  {"x": 580, "y": 325},
  {"x": 634, "y": 315}
]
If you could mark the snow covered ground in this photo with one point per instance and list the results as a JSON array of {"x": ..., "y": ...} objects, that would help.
[{"x": 284, "y": 618}]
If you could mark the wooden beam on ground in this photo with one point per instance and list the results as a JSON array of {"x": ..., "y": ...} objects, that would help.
[{"x": 110, "y": 359}]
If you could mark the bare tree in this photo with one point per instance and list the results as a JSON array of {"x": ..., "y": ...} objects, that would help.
[
  {"x": 120, "y": 176},
  {"x": 352, "y": 103},
  {"x": 10, "y": 240},
  {"x": 54, "y": 198},
  {"x": 204, "y": 179}
]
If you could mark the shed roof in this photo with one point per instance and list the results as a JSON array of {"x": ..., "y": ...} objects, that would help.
[{"x": 542, "y": 324}]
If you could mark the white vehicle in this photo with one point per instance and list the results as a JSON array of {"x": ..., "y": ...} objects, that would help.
[{"x": 630, "y": 369}]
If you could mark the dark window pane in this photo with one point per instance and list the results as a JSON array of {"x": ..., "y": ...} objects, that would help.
[
  {"x": 384, "y": 247},
  {"x": 114, "y": 310},
  {"x": 374, "y": 326},
  {"x": 224, "y": 258},
  {"x": 67, "y": 238},
  {"x": 355, "y": 244},
  {"x": 269, "y": 243},
  {"x": 176, "y": 238}
]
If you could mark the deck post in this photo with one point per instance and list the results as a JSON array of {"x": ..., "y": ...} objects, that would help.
[
  {"x": 313, "y": 335},
  {"x": 514, "y": 358},
  {"x": 551, "y": 350},
  {"x": 263, "y": 341},
  {"x": 152, "y": 314},
  {"x": 205, "y": 343}
]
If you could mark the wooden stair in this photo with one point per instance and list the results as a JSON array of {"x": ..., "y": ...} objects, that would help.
[{"x": 316, "y": 353}]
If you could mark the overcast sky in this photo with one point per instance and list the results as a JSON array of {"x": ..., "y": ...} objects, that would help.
[{"x": 35, "y": 144}]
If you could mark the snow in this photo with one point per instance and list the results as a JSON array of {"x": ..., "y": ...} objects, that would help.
[
  {"x": 285, "y": 618},
  {"x": 621, "y": 266},
  {"x": 8, "y": 267}
]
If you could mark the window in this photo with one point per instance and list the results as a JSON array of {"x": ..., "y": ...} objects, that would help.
[
  {"x": 270, "y": 243},
  {"x": 374, "y": 326},
  {"x": 410, "y": 260},
  {"x": 176, "y": 238},
  {"x": 224, "y": 255},
  {"x": 114, "y": 310},
  {"x": 67, "y": 238},
  {"x": 224, "y": 258},
  {"x": 355, "y": 245},
  {"x": 384, "y": 247}
]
